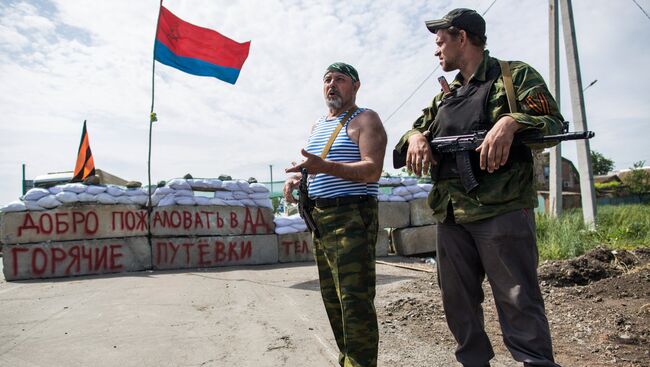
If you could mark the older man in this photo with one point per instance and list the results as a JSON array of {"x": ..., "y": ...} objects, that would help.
[
  {"x": 343, "y": 186},
  {"x": 489, "y": 230}
]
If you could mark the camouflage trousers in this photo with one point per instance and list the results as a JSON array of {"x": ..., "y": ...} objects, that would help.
[{"x": 345, "y": 255}]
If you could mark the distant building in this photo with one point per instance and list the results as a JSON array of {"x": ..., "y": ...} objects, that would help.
[{"x": 570, "y": 185}]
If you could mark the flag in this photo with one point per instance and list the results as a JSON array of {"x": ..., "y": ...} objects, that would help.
[
  {"x": 85, "y": 163},
  {"x": 197, "y": 50}
]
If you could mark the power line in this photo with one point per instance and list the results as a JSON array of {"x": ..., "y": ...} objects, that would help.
[
  {"x": 427, "y": 78},
  {"x": 643, "y": 10}
]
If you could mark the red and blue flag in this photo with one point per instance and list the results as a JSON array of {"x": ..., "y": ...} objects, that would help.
[{"x": 197, "y": 50}]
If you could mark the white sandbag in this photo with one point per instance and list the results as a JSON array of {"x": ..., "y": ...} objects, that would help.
[
  {"x": 408, "y": 181},
  {"x": 230, "y": 185},
  {"x": 55, "y": 190},
  {"x": 258, "y": 187},
  {"x": 239, "y": 195},
  {"x": 179, "y": 184},
  {"x": 224, "y": 195},
  {"x": 413, "y": 189},
  {"x": 14, "y": 206},
  {"x": 136, "y": 192},
  {"x": 283, "y": 221},
  {"x": 162, "y": 191},
  {"x": 258, "y": 195},
  {"x": 114, "y": 191},
  {"x": 179, "y": 193},
  {"x": 85, "y": 197},
  {"x": 167, "y": 201},
  {"x": 263, "y": 203},
  {"x": 202, "y": 200},
  {"x": 384, "y": 181},
  {"x": 426, "y": 187},
  {"x": 244, "y": 185},
  {"x": 106, "y": 198},
  {"x": 396, "y": 181},
  {"x": 285, "y": 230},
  {"x": 185, "y": 200},
  {"x": 197, "y": 183},
  {"x": 248, "y": 202},
  {"x": 382, "y": 197},
  {"x": 234, "y": 203},
  {"x": 139, "y": 199},
  {"x": 213, "y": 183},
  {"x": 35, "y": 194},
  {"x": 408, "y": 197},
  {"x": 401, "y": 191},
  {"x": 48, "y": 202},
  {"x": 217, "y": 201},
  {"x": 300, "y": 227},
  {"x": 67, "y": 197},
  {"x": 396, "y": 198},
  {"x": 95, "y": 189},
  {"x": 33, "y": 206},
  {"x": 420, "y": 195},
  {"x": 126, "y": 200},
  {"x": 76, "y": 187}
]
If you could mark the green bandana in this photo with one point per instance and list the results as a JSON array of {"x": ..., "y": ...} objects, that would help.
[{"x": 344, "y": 68}]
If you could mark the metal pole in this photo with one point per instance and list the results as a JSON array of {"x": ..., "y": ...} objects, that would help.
[
  {"x": 555, "y": 155},
  {"x": 24, "y": 191},
  {"x": 587, "y": 190},
  {"x": 271, "y": 169}
]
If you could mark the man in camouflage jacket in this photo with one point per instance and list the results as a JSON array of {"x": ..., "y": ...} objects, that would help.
[{"x": 491, "y": 229}]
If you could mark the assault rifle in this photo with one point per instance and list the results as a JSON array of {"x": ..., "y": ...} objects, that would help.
[
  {"x": 305, "y": 204},
  {"x": 462, "y": 145}
]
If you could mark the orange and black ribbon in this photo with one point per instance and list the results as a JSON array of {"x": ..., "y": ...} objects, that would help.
[{"x": 85, "y": 165}]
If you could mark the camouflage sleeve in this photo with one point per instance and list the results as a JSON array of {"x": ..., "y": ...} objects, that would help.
[
  {"x": 422, "y": 124},
  {"x": 537, "y": 107}
]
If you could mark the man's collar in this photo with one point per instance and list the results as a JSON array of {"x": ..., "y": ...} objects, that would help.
[{"x": 480, "y": 72}]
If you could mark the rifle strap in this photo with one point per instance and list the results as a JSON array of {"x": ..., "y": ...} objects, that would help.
[
  {"x": 344, "y": 120},
  {"x": 507, "y": 83}
]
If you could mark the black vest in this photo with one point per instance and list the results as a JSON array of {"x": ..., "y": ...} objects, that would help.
[{"x": 464, "y": 111}]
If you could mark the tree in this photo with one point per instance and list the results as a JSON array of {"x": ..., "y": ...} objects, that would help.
[
  {"x": 599, "y": 164},
  {"x": 638, "y": 180}
]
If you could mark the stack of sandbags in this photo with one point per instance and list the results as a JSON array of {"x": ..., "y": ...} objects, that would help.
[
  {"x": 289, "y": 224},
  {"x": 232, "y": 192},
  {"x": 41, "y": 199},
  {"x": 407, "y": 190}
]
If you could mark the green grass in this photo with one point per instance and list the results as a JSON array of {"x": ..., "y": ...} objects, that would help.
[{"x": 618, "y": 227}]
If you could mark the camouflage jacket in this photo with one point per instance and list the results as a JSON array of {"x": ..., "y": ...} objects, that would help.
[{"x": 503, "y": 190}]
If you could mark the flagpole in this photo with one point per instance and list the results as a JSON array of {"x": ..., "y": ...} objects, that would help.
[{"x": 152, "y": 115}]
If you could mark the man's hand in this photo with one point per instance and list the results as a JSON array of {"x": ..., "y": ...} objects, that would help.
[
  {"x": 418, "y": 156},
  {"x": 289, "y": 185},
  {"x": 313, "y": 163},
  {"x": 495, "y": 149}
]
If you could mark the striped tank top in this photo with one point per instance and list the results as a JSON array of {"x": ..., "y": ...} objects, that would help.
[{"x": 343, "y": 150}]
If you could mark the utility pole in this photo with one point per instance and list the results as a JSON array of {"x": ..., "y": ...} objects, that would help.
[
  {"x": 24, "y": 187},
  {"x": 271, "y": 169},
  {"x": 555, "y": 155},
  {"x": 587, "y": 191}
]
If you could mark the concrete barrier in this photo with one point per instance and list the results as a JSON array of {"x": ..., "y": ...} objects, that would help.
[
  {"x": 421, "y": 213},
  {"x": 394, "y": 214},
  {"x": 414, "y": 240},
  {"x": 206, "y": 252},
  {"x": 381, "y": 248},
  {"x": 73, "y": 222},
  {"x": 65, "y": 259},
  {"x": 211, "y": 221},
  {"x": 293, "y": 247}
]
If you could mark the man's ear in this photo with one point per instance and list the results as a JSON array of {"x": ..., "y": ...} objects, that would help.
[
  {"x": 462, "y": 37},
  {"x": 357, "y": 85}
]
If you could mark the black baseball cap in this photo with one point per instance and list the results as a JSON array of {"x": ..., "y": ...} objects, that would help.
[{"x": 465, "y": 19}]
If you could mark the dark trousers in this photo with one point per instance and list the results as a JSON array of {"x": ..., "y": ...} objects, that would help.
[{"x": 504, "y": 248}]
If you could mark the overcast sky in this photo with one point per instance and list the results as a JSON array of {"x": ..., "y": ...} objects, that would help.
[{"x": 63, "y": 62}]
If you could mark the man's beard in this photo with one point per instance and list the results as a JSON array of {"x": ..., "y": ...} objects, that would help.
[{"x": 334, "y": 102}]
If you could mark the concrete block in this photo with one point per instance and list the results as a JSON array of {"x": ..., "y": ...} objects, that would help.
[
  {"x": 381, "y": 248},
  {"x": 293, "y": 247},
  {"x": 74, "y": 222},
  {"x": 414, "y": 240},
  {"x": 207, "y": 252},
  {"x": 212, "y": 220},
  {"x": 394, "y": 214},
  {"x": 421, "y": 213},
  {"x": 72, "y": 258}
]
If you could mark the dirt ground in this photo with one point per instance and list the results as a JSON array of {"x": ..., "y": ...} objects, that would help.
[{"x": 598, "y": 306}]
